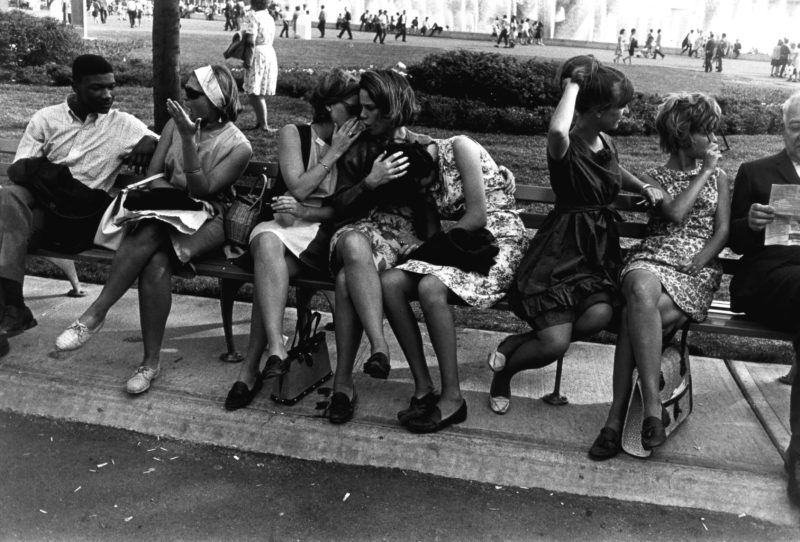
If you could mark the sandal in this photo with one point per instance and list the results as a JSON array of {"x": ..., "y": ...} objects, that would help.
[
  {"x": 606, "y": 445},
  {"x": 75, "y": 293}
]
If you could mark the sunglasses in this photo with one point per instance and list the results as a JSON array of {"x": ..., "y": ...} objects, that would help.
[
  {"x": 724, "y": 147},
  {"x": 353, "y": 110},
  {"x": 192, "y": 94}
]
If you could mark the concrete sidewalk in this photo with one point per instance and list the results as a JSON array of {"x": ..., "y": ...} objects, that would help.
[{"x": 725, "y": 458}]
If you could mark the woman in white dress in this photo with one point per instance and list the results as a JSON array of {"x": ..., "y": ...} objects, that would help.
[
  {"x": 303, "y": 26},
  {"x": 261, "y": 71},
  {"x": 296, "y": 241}
]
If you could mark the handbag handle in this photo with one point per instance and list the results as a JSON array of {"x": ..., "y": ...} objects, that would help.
[
  {"x": 139, "y": 184},
  {"x": 264, "y": 184}
]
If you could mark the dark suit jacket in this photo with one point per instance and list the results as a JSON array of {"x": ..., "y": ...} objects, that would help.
[{"x": 753, "y": 185}]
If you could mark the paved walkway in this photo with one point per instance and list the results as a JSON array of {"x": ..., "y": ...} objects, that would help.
[{"x": 725, "y": 458}]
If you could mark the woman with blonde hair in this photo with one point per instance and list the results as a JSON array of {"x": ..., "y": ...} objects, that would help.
[
  {"x": 670, "y": 276},
  {"x": 203, "y": 153}
]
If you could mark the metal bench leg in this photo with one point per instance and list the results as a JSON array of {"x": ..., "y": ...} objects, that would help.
[
  {"x": 303, "y": 298},
  {"x": 555, "y": 398},
  {"x": 332, "y": 305},
  {"x": 227, "y": 292}
]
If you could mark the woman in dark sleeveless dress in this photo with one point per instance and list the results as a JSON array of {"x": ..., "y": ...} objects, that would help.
[{"x": 566, "y": 286}]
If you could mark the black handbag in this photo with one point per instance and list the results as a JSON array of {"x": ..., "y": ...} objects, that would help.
[{"x": 309, "y": 364}]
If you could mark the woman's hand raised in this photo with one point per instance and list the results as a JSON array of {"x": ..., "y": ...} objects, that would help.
[
  {"x": 344, "y": 135},
  {"x": 186, "y": 126},
  {"x": 711, "y": 159},
  {"x": 386, "y": 168}
]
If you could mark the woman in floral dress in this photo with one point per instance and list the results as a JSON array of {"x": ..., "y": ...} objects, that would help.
[
  {"x": 671, "y": 276},
  {"x": 261, "y": 72},
  {"x": 473, "y": 191}
]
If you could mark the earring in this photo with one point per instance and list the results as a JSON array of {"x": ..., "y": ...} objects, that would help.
[{"x": 328, "y": 108}]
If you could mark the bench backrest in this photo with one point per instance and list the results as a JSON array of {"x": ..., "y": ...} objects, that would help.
[{"x": 534, "y": 201}]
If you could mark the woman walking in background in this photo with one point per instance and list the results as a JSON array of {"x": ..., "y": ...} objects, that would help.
[{"x": 261, "y": 71}]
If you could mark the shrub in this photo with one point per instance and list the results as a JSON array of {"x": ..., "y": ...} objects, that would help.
[
  {"x": 36, "y": 41},
  {"x": 494, "y": 79}
]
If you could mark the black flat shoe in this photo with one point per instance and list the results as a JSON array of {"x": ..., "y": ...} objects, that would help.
[
  {"x": 653, "y": 433},
  {"x": 418, "y": 407},
  {"x": 433, "y": 422},
  {"x": 275, "y": 367},
  {"x": 240, "y": 395},
  {"x": 16, "y": 320},
  {"x": 341, "y": 408},
  {"x": 606, "y": 445},
  {"x": 792, "y": 466},
  {"x": 378, "y": 366}
]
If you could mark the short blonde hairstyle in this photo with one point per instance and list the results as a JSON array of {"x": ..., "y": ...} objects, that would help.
[{"x": 685, "y": 113}]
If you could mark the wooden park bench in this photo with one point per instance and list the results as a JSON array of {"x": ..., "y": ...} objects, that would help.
[{"x": 535, "y": 203}]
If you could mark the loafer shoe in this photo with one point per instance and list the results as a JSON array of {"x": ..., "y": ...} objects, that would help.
[
  {"x": 434, "y": 422},
  {"x": 378, "y": 366},
  {"x": 653, "y": 433},
  {"x": 16, "y": 320},
  {"x": 76, "y": 335},
  {"x": 792, "y": 466},
  {"x": 140, "y": 381},
  {"x": 499, "y": 404},
  {"x": 341, "y": 408},
  {"x": 606, "y": 445},
  {"x": 240, "y": 395},
  {"x": 4, "y": 348},
  {"x": 275, "y": 367},
  {"x": 418, "y": 407}
]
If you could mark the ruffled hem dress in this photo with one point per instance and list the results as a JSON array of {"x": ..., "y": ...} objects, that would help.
[
  {"x": 501, "y": 219},
  {"x": 574, "y": 259},
  {"x": 668, "y": 245}
]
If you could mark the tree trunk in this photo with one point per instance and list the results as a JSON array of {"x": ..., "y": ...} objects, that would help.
[{"x": 166, "y": 55}]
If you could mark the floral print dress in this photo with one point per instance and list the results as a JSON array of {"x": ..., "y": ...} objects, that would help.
[
  {"x": 668, "y": 245},
  {"x": 262, "y": 77},
  {"x": 501, "y": 219}
]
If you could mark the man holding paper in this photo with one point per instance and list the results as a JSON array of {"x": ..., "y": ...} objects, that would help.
[{"x": 767, "y": 285}]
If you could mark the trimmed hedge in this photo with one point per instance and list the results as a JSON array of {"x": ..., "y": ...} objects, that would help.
[
  {"x": 493, "y": 79},
  {"x": 458, "y": 90}
]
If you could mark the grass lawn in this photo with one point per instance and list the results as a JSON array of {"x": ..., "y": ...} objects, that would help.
[{"x": 524, "y": 155}]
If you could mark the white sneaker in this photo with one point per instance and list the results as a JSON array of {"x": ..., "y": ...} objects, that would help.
[
  {"x": 76, "y": 335},
  {"x": 140, "y": 381}
]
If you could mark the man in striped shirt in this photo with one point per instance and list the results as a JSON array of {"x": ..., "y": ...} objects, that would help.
[{"x": 91, "y": 139}]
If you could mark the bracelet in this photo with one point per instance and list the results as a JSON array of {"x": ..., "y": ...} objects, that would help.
[{"x": 326, "y": 166}]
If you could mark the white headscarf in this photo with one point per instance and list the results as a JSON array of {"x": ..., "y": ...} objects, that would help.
[{"x": 210, "y": 85}]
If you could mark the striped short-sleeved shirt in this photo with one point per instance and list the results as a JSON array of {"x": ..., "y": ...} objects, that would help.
[{"x": 93, "y": 149}]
